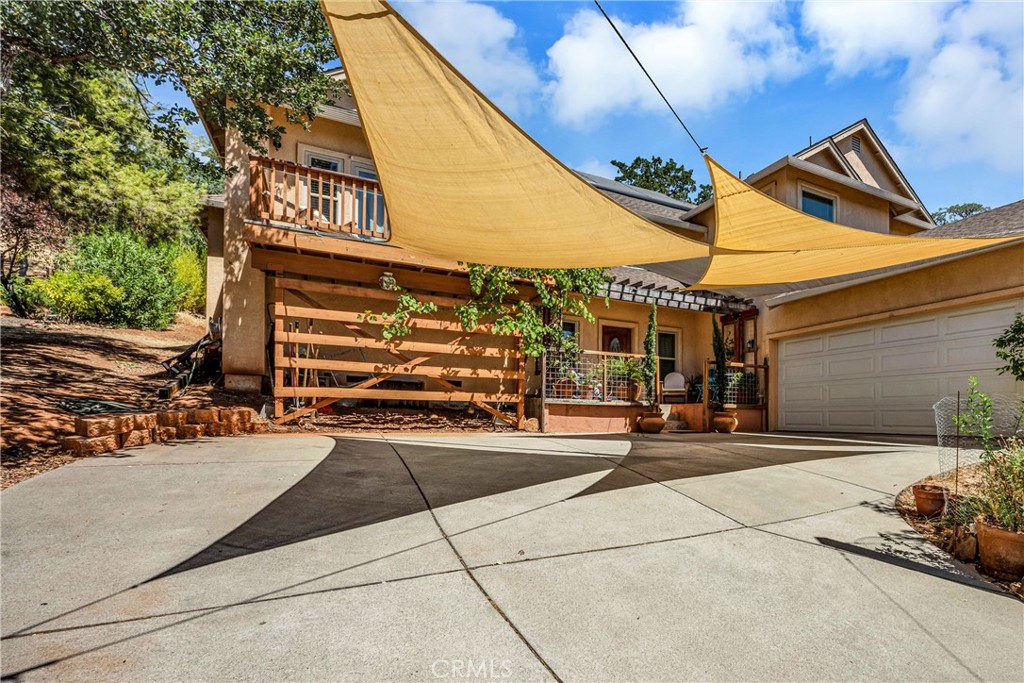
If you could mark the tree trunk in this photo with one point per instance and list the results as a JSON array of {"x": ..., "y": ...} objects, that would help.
[{"x": 8, "y": 55}]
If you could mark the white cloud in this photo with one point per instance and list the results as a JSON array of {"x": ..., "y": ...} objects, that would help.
[
  {"x": 858, "y": 36},
  {"x": 595, "y": 167},
  {"x": 706, "y": 54},
  {"x": 964, "y": 106},
  {"x": 481, "y": 43},
  {"x": 961, "y": 67}
]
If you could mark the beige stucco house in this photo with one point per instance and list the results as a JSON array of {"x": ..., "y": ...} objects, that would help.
[{"x": 299, "y": 254}]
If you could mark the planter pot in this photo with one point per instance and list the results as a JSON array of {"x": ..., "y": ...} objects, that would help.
[
  {"x": 636, "y": 391},
  {"x": 1001, "y": 551},
  {"x": 651, "y": 423},
  {"x": 588, "y": 393},
  {"x": 930, "y": 499},
  {"x": 724, "y": 421}
]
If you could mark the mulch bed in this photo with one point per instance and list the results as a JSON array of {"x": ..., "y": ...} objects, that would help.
[{"x": 965, "y": 481}]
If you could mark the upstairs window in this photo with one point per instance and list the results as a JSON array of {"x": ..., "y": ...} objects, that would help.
[{"x": 818, "y": 205}]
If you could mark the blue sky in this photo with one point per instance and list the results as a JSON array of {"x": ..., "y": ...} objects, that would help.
[{"x": 941, "y": 83}]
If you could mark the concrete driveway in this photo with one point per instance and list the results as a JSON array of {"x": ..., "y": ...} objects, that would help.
[{"x": 675, "y": 557}]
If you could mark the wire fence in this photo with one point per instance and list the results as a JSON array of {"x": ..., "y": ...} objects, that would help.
[
  {"x": 959, "y": 449},
  {"x": 593, "y": 376}
]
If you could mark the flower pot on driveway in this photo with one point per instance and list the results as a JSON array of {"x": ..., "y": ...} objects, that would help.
[
  {"x": 1001, "y": 551},
  {"x": 930, "y": 499},
  {"x": 724, "y": 421},
  {"x": 651, "y": 423}
]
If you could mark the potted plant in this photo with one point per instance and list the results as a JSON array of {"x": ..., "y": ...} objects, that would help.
[
  {"x": 930, "y": 499},
  {"x": 1000, "y": 506},
  {"x": 653, "y": 421},
  {"x": 722, "y": 420},
  {"x": 626, "y": 378}
]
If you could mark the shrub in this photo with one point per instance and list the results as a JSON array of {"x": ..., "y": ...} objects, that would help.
[
  {"x": 78, "y": 297},
  {"x": 30, "y": 297},
  {"x": 1004, "y": 486},
  {"x": 143, "y": 272},
  {"x": 1010, "y": 348},
  {"x": 190, "y": 276}
]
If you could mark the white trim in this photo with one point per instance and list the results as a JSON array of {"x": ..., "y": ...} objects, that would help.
[
  {"x": 803, "y": 186},
  {"x": 678, "y": 332},
  {"x": 302, "y": 150}
]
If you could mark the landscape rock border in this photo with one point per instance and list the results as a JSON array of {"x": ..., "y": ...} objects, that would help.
[{"x": 98, "y": 434}]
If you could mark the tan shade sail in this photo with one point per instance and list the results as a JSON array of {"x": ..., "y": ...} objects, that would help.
[
  {"x": 460, "y": 180},
  {"x": 760, "y": 241}
]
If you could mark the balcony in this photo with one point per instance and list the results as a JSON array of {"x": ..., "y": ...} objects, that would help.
[
  {"x": 593, "y": 377},
  {"x": 295, "y": 196}
]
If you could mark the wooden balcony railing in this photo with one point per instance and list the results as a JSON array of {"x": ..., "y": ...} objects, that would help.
[{"x": 293, "y": 194}]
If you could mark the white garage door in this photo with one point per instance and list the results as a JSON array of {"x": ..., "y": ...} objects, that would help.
[{"x": 884, "y": 378}]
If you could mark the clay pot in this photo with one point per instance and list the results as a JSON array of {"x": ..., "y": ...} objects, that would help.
[
  {"x": 636, "y": 391},
  {"x": 651, "y": 423},
  {"x": 1001, "y": 551},
  {"x": 930, "y": 499},
  {"x": 724, "y": 421}
]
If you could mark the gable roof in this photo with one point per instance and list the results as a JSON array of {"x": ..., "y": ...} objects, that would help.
[
  {"x": 652, "y": 205},
  {"x": 998, "y": 222}
]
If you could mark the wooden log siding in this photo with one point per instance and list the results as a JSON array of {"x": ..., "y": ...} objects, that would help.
[
  {"x": 296, "y": 377},
  {"x": 290, "y": 193}
]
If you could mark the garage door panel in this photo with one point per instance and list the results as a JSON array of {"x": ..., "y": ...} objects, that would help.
[
  {"x": 885, "y": 377},
  {"x": 919, "y": 358},
  {"x": 814, "y": 393},
  {"x": 851, "y": 391},
  {"x": 808, "y": 345},
  {"x": 838, "y": 341},
  {"x": 910, "y": 387},
  {"x": 919, "y": 329},
  {"x": 805, "y": 371},
  {"x": 851, "y": 367},
  {"x": 851, "y": 419},
  {"x": 992, "y": 321}
]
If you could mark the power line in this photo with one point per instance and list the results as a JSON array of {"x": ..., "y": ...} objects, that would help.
[{"x": 644, "y": 69}]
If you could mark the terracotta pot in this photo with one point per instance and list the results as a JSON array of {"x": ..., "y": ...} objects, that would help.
[
  {"x": 930, "y": 499},
  {"x": 1001, "y": 551},
  {"x": 651, "y": 423},
  {"x": 637, "y": 391},
  {"x": 724, "y": 421}
]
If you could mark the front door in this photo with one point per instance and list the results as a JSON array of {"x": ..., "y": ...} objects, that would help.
[{"x": 616, "y": 339}]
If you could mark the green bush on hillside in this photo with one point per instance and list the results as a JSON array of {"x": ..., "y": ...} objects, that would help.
[
  {"x": 190, "y": 274},
  {"x": 144, "y": 273},
  {"x": 78, "y": 296}
]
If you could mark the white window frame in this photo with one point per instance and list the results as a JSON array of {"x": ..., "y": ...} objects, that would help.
[
  {"x": 678, "y": 333},
  {"x": 814, "y": 189}
]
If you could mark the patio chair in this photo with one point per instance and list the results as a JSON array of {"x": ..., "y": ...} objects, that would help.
[{"x": 674, "y": 386}]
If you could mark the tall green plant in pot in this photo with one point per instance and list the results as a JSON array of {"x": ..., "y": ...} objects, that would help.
[
  {"x": 1000, "y": 504},
  {"x": 653, "y": 421},
  {"x": 722, "y": 420}
]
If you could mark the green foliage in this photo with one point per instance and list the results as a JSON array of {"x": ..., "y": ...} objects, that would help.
[
  {"x": 1010, "y": 348},
  {"x": 190, "y": 278},
  {"x": 1004, "y": 486},
  {"x": 670, "y": 178},
  {"x": 650, "y": 362},
  {"x": 396, "y": 323},
  {"x": 79, "y": 296},
  {"x": 20, "y": 291},
  {"x": 560, "y": 292},
  {"x": 718, "y": 347},
  {"x": 628, "y": 368},
  {"x": 231, "y": 55},
  {"x": 957, "y": 212},
  {"x": 145, "y": 274},
  {"x": 77, "y": 136},
  {"x": 975, "y": 420}
]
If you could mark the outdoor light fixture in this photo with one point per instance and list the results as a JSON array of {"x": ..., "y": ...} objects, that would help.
[{"x": 387, "y": 281}]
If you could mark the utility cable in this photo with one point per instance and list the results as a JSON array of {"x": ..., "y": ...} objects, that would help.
[{"x": 644, "y": 69}]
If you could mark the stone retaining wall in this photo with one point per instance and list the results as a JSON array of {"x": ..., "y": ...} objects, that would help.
[{"x": 105, "y": 433}]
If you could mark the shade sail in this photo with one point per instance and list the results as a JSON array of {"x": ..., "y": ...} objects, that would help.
[
  {"x": 761, "y": 241},
  {"x": 460, "y": 180}
]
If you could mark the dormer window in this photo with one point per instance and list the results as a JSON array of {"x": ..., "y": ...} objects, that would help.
[{"x": 818, "y": 204}]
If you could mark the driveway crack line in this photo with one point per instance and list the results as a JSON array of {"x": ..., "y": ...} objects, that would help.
[{"x": 469, "y": 572}]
